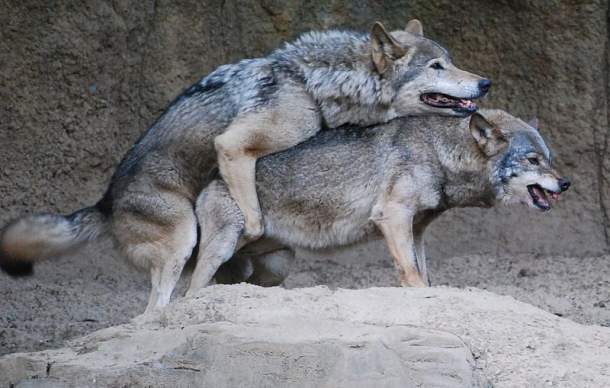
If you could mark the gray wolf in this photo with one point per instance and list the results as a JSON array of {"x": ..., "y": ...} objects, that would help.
[
  {"x": 245, "y": 110},
  {"x": 330, "y": 79},
  {"x": 389, "y": 181}
]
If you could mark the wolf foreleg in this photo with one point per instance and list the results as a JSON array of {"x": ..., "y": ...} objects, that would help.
[
  {"x": 395, "y": 221},
  {"x": 287, "y": 119}
]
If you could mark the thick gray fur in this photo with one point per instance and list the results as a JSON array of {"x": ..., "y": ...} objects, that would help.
[
  {"x": 150, "y": 206},
  {"x": 342, "y": 186}
]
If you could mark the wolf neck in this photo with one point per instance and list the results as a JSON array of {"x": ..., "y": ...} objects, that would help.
[
  {"x": 466, "y": 170},
  {"x": 337, "y": 70}
]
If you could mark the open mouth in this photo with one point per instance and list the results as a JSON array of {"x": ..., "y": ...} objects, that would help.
[
  {"x": 540, "y": 196},
  {"x": 439, "y": 100}
]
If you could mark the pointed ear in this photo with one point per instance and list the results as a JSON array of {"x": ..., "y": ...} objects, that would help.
[
  {"x": 489, "y": 138},
  {"x": 384, "y": 48},
  {"x": 414, "y": 27},
  {"x": 534, "y": 123}
]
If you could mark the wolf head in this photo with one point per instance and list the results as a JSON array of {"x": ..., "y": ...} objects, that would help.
[
  {"x": 519, "y": 160},
  {"x": 420, "y": 71}
]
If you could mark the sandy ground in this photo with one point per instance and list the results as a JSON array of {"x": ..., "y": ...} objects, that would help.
[
  {"x": 80, "y": 294},
  {"x": 249, "y": 336}
]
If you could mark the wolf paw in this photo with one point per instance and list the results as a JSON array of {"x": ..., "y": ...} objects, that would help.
[
  {"x": 413, "y": 281},
  {"x": 253, "y": 229}
]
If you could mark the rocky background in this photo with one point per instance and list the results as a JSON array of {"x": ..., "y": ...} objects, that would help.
[{"x": 80, "y": 80}]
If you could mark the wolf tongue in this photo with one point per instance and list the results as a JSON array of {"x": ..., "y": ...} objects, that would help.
[
  {"x": 466, "y": 104},
  {"x": 541, "y": 197}
]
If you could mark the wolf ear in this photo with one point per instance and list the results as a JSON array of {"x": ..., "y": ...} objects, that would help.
[
  {"x": 384, "y": 48},
  {"x": 414, "y": 27},
  {"x": 489, "y": 138},
  {"x": 534, "y": 123}
]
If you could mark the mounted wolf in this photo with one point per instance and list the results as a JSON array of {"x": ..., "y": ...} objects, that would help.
[
  {"x": 233, "y": 116},
  {"x": 387, "y": 181}
]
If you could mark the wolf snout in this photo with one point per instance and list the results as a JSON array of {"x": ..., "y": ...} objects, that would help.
[
  {"x": 564, "y": 184},
  {"x": 484, "y": 85}
]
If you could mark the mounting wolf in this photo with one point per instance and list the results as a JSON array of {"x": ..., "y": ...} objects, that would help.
[
  {"x": 245, "y": 110},
  {"x": 334, "y": 78},
  {"x": 391, "y": 180}
]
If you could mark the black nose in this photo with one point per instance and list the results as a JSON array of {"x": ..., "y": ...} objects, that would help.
[
  {"x": 484, "y": 85},
  {"x": 564, "y": 184}
]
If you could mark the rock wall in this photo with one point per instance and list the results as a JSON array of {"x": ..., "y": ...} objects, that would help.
[{"x": 79, "y": 81}]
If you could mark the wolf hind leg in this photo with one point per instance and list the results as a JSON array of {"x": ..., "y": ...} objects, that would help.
[
  {"x": 221, "y": 223},
  {"x": 291, "y": 118},
  {"x": 157, "y": 233},
  {"x": 271, "y": 268},
  {"x": 165, "y": 278},
  {"x": 420, "y": 246},
  {"x": 267, "y": 269}
]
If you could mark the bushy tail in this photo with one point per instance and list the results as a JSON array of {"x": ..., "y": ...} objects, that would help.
[{"x": 36, "y": 237}]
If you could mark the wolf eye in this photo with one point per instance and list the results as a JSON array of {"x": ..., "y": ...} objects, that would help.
[
  {"x": 437, "y": 66},
  {"x": 533, "y": 161}
]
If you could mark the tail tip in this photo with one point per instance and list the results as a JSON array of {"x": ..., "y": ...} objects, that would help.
[{"x": 17, "y": 268}]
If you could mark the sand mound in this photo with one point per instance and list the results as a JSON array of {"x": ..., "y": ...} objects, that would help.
[{"x": 250, "y": 336}]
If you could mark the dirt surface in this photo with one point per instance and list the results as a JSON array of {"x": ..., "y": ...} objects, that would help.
[
  {"x": 577, "y": 288},
  {"x": 80, "y": 294},
  {"x": 248, "y": 336}
]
